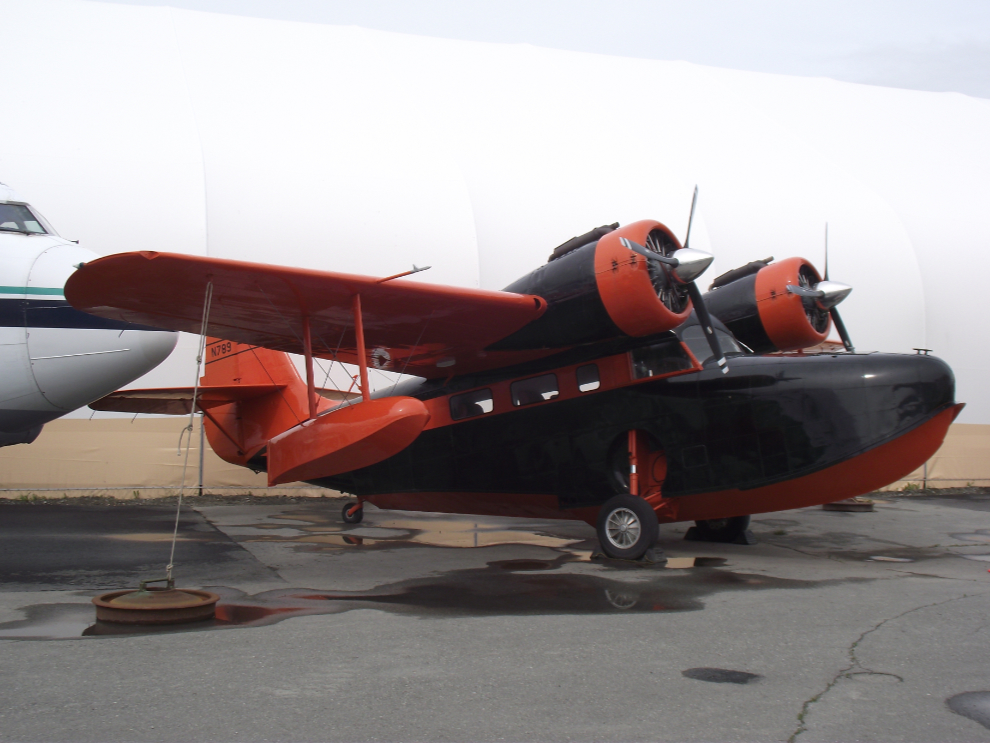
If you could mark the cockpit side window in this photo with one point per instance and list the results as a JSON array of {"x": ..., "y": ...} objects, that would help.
[
  {"x": 694, "y": 338},
  {"x": 659, "y": 359},
  {"x": 535, "y": 389},
  {"x": 588, "y": 379},
  {"x": 19, "y": 218},
  {"x": 471, "y": 404}
]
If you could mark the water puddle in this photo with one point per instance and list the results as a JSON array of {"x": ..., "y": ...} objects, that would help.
[
  {"x": 508, "y": 587},
  {"x": 319, "y": 531}
]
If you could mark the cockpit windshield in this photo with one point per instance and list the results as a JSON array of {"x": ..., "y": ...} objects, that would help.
[
  {"x": 20, "y": 218},
  {"x": 694, "y": 338}
]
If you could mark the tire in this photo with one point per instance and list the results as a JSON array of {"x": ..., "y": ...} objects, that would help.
[
  {"x": 627, "y": 527},
  {"x": 722, "y": 530},
  {"x": 352, "y": 518}
]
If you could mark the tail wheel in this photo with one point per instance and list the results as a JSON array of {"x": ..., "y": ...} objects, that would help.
[
  {"x": 352, "y": 513},
  {"x": 627, "y": 527}
]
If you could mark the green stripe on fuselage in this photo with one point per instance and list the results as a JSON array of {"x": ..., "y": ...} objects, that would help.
[{"x": 31, "y": 290}]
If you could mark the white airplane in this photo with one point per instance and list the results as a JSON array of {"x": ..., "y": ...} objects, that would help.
[{"x": 53, "y": 358}]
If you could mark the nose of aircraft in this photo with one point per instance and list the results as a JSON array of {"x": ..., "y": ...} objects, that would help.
[
  {"x": 99, "y": 362},
  {"x": 77, "y": 358},
  {"x": 903, "y": 390}
]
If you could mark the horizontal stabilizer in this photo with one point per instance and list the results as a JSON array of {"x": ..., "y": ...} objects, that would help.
[{"x": 178, "y": 400}]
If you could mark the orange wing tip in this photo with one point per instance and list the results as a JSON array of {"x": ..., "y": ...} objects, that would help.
[{"x": 347, "y": 439}]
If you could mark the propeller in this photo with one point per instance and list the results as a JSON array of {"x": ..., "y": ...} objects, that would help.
[
  {"x": 822, "y": 298},
  {"x": 681, "y": 268}
]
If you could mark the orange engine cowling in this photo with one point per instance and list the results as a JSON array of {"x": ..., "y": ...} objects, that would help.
[
  {"x": 762, "y": 313},
  {"x": 597, "y": 289},
  {"x": 637, "y": 295}
]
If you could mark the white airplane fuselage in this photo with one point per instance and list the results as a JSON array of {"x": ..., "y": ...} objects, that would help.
[{"x": 53, "y": 358}]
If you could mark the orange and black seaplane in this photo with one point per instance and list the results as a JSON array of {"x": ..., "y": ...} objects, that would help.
[{"x": 603, "y": 386}]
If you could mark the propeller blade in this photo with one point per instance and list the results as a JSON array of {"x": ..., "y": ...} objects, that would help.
[
  {"x": 832, "y": 311},
  {"x": 826, "y": 251},
  {"x": 648, "y": 254},
  {"x": 840, "y": 326},
  {"x": 694, "y": 200},
  {"x": 706, "y": 325}
]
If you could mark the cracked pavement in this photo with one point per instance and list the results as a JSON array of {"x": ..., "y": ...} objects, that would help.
[{"x": 854, "y": 626}]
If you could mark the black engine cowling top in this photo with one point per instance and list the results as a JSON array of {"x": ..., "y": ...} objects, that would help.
[
  {"x": 601, "y": 290},
  {"x": 763, "y": 313}
]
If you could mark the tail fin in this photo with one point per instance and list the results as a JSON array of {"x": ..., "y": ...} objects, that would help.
[{"x": 239, "y": 430}]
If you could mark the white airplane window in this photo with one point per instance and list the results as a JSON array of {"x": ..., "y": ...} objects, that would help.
[
  {"x": 587, "y": 378},
  {"x": 18, "y": 218},
  {"x": 471, "y": 404},
  {"x": 535, "y": 389}
]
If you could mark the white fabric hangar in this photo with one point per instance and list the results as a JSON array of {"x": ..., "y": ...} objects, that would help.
[{"x": 363, "y": 151}]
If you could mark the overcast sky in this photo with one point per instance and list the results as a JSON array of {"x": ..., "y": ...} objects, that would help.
[{"x": 941, "y": 45}]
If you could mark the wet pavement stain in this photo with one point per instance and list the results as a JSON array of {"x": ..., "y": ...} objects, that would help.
[
  {"x": 981, "y": 536},
  {"x": 972, "y": 704},
  {"x": 499, "y": 589},
  {"x": 318, "y": 530},
  {"x": 720, "y": 675}
]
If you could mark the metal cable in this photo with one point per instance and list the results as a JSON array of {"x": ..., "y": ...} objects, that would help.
[{"x": 207, "y": 302}]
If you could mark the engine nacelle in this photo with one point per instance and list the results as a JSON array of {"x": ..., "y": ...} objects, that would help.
[
  {"x": 762, "y": 313},
  {"x": 597, "y": 289}
]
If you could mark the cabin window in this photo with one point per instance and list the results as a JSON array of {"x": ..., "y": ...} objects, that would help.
[
  {"x": 535, "y": 389},
  {"x": 471, "y": 404},
  {"x": 660, "y": 359},
  {"x": 587, "y": 378}
]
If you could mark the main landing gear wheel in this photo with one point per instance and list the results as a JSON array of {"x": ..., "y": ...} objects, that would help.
[
  {"x": 352, "y": 513},
  {"x": 730, "y": 530},
  {"x": 627, "y": 527}
]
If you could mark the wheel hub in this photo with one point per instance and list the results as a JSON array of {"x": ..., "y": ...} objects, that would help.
[{"x": 623, "y": 528}]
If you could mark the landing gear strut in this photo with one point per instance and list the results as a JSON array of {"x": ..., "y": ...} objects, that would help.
[{"x": 353, "y": 513}]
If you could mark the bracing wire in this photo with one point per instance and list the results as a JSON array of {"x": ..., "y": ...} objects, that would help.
[{"x": 207, "y": 302}]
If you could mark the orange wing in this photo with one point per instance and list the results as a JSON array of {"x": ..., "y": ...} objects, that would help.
[{"x": 422, "y": 329}]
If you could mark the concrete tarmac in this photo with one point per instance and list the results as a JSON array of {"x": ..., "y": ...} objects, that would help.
[{"x": 425, "y": 627}]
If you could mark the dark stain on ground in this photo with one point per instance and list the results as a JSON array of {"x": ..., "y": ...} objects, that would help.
[
  {"x": 720, "y": 675},
  {"x": 970, "y": 502},
  {"x": 853, "y": 547},
  {"x": 103, "y": 547},
  {"x": 972, "y": 704},
  {"x": 475, "y": 592},
  {"x": 980, "y": 536}
]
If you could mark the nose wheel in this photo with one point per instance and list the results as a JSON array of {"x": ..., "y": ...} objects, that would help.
[
  {"x": 627, "y": 527},
  {"x": 353, "y": 513}
]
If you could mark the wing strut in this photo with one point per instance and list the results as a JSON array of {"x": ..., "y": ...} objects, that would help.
[
  {"x": 362, "y": 357},
  {"x": 308, "y": 353}
]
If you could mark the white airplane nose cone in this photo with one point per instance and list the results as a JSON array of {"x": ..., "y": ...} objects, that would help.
[{"x": 154, "y": 345}]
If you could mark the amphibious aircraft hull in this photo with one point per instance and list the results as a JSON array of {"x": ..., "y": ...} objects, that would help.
[{"x": 775, "y": 432}]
